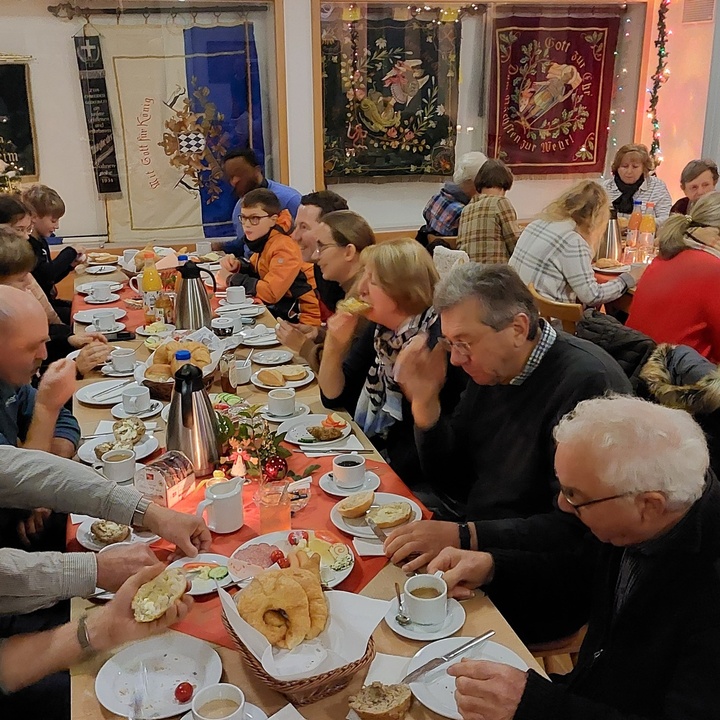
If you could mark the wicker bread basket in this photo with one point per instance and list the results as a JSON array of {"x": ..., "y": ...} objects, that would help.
[
  {"x": 163, "y": 390},
  {"x": 307, "y": 690}
]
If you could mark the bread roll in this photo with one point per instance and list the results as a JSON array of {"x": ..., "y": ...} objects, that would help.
[
  {"x": 107, "y": 532},
  {"x": 391, "y": 514},
  {"x": 382, "y": 702},
  {"x": 155, "y": 598},
  {"x": 607, "y": 263},
  {"x": 354, "y": 306},
  {"x": 272, "y": 377},
  {"x": 159, "y": 373},
  {"x": 356, "y": 505},
  {"x": 292, "y": 372}
]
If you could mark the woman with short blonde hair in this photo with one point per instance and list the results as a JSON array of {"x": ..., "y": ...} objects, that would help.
[
  {"x": 676, "y": 301},
  {"x": 555, "y": 252},
  {"x": 633, "y": 180},
  {"x": 357, "y": 370}
]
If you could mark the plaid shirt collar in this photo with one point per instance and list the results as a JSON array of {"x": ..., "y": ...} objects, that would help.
[{"x": 547, "y": 338}]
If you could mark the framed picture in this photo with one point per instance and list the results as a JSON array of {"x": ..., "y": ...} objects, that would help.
[{"x": 17, "y": 126}]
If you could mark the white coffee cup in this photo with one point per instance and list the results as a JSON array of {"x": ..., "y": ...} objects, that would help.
[
  {"x": 100, "y": 291},
  {"x": 224, "y": 503},
  {"x": 237, "y": 322},
  {"x": 136, "y": 283},
  {"x": 129, "y": 256},
  {"x": 104, "y": 319},
  {"x": 118, "y": 465},
  {"x": 136, "y": 399},
  {"x": 122, "y": 359},
  {"x": 427, "y": 611},
  {"x": 240, "y": 373},
  {"x": 222, "y": 326},
  {"x": 281, "y": 402},
  {"x": 203, "y": 248},
  {"x": 236, "y": 295},
  {"x": 348, "y": 470}
]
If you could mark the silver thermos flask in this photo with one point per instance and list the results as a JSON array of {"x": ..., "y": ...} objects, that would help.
[
  {"x": 610, "y": 245},
  {"x": 192, "y": 306},
  {"x": 192, "y": 424}
]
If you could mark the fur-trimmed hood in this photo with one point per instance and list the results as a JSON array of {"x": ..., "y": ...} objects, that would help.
[{"x": 677, "y": 376}]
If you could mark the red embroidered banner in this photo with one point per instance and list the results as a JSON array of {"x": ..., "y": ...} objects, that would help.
[{"x": 551, "y": 91}]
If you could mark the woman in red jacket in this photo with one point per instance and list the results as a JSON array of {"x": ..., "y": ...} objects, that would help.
[{"x": 676, "y": 300}]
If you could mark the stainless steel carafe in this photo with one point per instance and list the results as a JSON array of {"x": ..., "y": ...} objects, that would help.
[
  {"x": 192, "y": 425},
  {"x": 192, "y": 307},
  {"x": 610, "y": 245}
]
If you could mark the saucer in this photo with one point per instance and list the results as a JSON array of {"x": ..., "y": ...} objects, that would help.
[
  {"x": 300, "y": 410},
  {"x": 454, "y": 620},
  {"x": 110, "y": 372},
  {"x": 252, "y": 712},
  {"x": 87, "y": 317},
  {"x": 94, "y": 301},
  {"x": 372, "y": 482},
  {"x": 117, "y": 411},
  {"x": 118, "y": 327}
]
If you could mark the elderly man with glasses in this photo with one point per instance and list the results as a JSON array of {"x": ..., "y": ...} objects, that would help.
[
  {"x": 636, "y": 474},
  {"x": 495, "y": 453}
]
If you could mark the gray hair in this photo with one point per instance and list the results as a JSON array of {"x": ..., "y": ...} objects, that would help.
[
  {"x": 499, "y": 290},
  {"x": 640, "y": 446},
  {"x": 467, "y": 167},
  {"x": 695, "y": 168}
]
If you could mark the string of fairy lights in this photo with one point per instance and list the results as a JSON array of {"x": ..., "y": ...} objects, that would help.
[{"x": 659, "y": 78}]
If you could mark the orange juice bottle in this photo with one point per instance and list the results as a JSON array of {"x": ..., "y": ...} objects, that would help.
[
  {"x": 151, "y": 287},
  {"x": 633, "y": 228}
]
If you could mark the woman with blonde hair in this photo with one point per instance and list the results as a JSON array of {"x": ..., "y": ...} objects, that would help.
[
  {"x": 677, "y": 300},
  {"x": 397, "y": 284},
  {"x": 632, "y": 180},
  {"x": 555, "y": 252}
]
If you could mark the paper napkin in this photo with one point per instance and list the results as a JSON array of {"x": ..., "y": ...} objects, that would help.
[
  {"x": 287, "y": 713},
  {"x": 368, "y": 548},
  {"x": 339, "y": 447}
]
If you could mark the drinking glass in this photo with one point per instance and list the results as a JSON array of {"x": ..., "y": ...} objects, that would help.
[{"x": 274, "y": 503}]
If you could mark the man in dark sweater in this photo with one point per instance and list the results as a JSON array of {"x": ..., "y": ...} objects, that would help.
[
  {"x": 636, "y": 474},
  {"x": 496, "y": 451}
]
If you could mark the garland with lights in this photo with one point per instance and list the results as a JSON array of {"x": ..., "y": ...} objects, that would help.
[{"x": 659, "y": 78}]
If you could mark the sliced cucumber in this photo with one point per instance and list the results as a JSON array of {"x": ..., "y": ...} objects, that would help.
[{"x": 218, "y": 573}]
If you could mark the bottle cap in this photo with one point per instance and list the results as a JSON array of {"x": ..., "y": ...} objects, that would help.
[
  {"x": 182, "y": 355},
  {"x": 182, "y": 258}
]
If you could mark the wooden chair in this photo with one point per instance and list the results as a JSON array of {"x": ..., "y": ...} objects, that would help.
[
  {"x": 559, "y": 656},
  {"x": 569, "y": 314}
]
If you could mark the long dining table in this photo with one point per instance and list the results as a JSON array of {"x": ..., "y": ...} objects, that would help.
[{"x": 371, "y": 576}]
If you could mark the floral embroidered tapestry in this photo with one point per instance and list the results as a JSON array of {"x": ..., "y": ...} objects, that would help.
[
  {"x": 390, "y": 96},
  {"x": 551, "y": 92}
]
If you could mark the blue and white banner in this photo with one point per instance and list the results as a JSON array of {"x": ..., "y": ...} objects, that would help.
[{"x": 181, "y": 98}]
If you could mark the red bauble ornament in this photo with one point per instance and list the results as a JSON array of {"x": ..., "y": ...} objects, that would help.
[{"x": 275, "y": 468}]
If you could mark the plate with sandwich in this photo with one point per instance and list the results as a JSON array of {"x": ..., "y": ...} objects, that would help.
[
  {"x": 284, "y": 376},
  {"x": 315, "y": 429},
  {"x": 388, "y": 510},
  {"x": 610, "y": 266}
]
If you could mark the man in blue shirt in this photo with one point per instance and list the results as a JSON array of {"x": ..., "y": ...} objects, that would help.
[{"x": 244, "y": 173}]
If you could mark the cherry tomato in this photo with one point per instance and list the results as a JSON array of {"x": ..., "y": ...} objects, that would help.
[
  {"x": 183, "y": 692},
  {"x": 277, "y": 556},
  {"x": 283, "y": 562},
  {"x": 296, "y": 536}
]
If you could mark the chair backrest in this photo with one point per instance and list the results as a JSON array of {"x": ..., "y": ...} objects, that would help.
[
  {"x": 568, "y": 313},
  {"x": 445, "y": 259}
]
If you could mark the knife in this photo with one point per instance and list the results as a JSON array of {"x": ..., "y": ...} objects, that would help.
[
  {"x": 415, "y": 675},
  {"x": 377, "y": 532}
]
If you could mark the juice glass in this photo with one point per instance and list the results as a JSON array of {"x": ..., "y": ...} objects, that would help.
[{"x": 274, "y": 504}]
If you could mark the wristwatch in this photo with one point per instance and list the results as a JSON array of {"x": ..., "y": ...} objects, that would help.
[
  {"x": 82, "y": 636},
  {"x": 138, "y": 518}
]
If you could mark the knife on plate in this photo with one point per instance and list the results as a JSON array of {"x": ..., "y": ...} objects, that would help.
[
  {"x": 415, "y": 675},
  {"x": 379, "y": 533}
]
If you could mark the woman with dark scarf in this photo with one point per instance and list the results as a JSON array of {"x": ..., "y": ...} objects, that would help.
[{"x": 632, "y": 180}]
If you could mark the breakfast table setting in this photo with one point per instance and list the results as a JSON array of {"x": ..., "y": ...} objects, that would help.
[{"x": 314, "y": 491}]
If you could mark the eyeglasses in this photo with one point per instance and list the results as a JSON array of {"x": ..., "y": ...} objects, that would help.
[
  {"x": 320, "y": 249},
  {"x": 252, "y": 219},
  {"x": 462, "y": 348},
  {"x": 576, "y": 506}
]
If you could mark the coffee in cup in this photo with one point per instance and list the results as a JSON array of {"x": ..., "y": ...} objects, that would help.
[
  {"x": 425, "y": 598},
  {"x": 348, "y": 471},
  {"x": 118, "y": 465},
  {"x": 221, "y": 701},
  {"x": 122, "y": 359},
  {"x": 281, "y": 402}
]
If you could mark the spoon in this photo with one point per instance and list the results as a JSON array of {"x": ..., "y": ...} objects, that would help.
[{"x": 401, "y": 618}]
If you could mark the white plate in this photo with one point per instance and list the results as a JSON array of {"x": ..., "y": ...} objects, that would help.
[
  {"x": 371, "y": 482},
  {"x": 112, "y": 297},
  {"x": 204, "y": 587},
  {"x": 436, "y": 691},
  {"x": 295, "y": 430},
  {"x": 165, "y": 414},
  {"x": 267, "y": 340},
  {"x": 86, "y": 316},
  {"x": 300, "y": 410},
  {"x": 272, "y": 357},
  {"x": 109, "y": 371},
  {"x": 454, "y": 620},
  {"x": 170, "y": 659},
  {"x": 288, "y": 383},
  {"x": 86, "y": 288},
  {"x": 331, "y": 578},
  {"x": 118, "y": 328},
  {"x": 147, "y": 446},
  {"x": 613, "y": 270},
  {"x": 169, "y": 329},
  {"x": 252, "y": 712},
  {"x": 358, "y": 527},
  {"x": 88, "y": 541},
  {"x": 234, "y": 306},
  {"x": 86, "y": 393},
  {"x": 100, "y": 269},
  {"x": 94, "y": 263},
  {"x": 241, "y": 310},
  {"x": 118, "y": 412}
]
